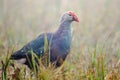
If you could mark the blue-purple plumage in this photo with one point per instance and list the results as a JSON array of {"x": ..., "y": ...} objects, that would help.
[{"x": 58, "y": 43}]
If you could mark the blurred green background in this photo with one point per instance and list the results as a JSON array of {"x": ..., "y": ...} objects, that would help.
[{"x": 23, "y": 20}]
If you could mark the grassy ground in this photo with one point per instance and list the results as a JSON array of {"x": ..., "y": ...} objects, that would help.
[{"x": 83, "y": 63}]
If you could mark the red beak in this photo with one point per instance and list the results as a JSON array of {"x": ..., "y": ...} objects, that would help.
[{"x": 75, "y": 18}]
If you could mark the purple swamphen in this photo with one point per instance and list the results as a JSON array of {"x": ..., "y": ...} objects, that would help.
[{"x": 59, "y": 43}]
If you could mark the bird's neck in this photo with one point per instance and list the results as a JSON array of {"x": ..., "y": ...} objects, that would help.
[
  {"x": 64, "y": 26},
  {"x": 63, "y": 34}
]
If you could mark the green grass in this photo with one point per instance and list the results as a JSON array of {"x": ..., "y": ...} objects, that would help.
[
  {"x": 93, "y": 67},
  {"x": 83, "y": 63}
]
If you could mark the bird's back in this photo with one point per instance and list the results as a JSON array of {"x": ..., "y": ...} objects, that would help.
[{"x": 37, "y": 46}]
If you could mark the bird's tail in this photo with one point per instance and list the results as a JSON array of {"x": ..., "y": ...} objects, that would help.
[{"x": 17, "y": 55}]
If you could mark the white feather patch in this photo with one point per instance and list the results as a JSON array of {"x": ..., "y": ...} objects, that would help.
[{"x": 23, "y": 60}]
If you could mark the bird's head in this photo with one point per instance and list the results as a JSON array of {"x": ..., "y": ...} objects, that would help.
[{"x": 69, "y": 16}]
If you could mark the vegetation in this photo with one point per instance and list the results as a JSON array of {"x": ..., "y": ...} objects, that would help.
[{"x": 95, "y": 49}]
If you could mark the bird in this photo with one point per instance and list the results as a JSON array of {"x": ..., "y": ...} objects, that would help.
[{"x": 58, "y": 43}]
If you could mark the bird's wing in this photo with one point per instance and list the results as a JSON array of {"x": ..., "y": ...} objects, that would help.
[{"x": 37, "y": 46}]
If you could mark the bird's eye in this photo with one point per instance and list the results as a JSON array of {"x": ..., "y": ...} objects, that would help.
[{"x": 69, "y": 14}]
